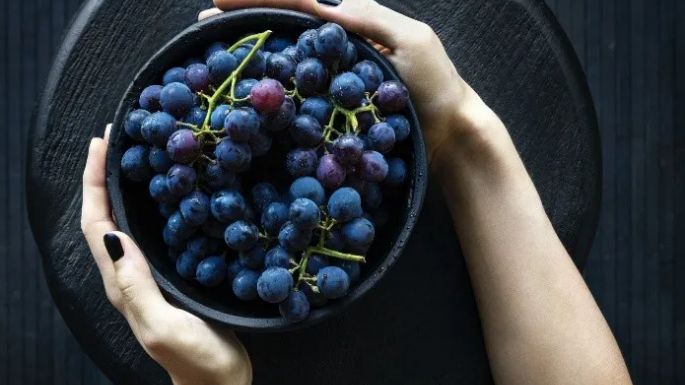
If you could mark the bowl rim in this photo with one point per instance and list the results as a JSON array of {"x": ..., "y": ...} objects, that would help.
[{"x": 246, "y": 323}]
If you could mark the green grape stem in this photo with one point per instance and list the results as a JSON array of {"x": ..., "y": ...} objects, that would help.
[{"x": 335, "y": 254}]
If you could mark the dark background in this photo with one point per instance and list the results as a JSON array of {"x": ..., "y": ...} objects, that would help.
[{"x": 631, "y": 51}]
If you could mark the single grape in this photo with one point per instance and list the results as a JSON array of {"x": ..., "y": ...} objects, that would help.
[
  {"x": 365, "y": 120},
  {"x": 241, "y": 123},
  {"x": 349, "y": 57},
  {"x": 318, "y": 107},
  {"x": 134, "y": 164},
  {"x": 381, "y": 137},
  {"x": 358, "y": 233},
  {"x": 157, "y": 128},
  {"x": 244, "y": 87},
  {"x": 217, "y": 177},
  {"x": 274, "y": 217},
  {"x": 220, "y": 65},
  {"x": 196, "y": 116},
  {"x": 228, "y": 205},
  {"x": 263, "y": 194},
  {"x": 295, "y": 308},
  {"x": 316, "y": 263},
  {"x": 306, "y": 131},
  {"x": 176, "y": 99},
  {"x": 241, "y": 235},
  {"x": 260, "y": 143},
  {"x": 215, "y": 47},
  {"x": 267, "y": 96},
  {"x": 245, "y": 285},
  {"x": 348, "y": 149},
  {"x": 329, "y": 172},
  {"x": 293, "y": 238},
  {"x": 301, "y": 162},
  {"x": 253, "y": 258},
  {"x": 235, "y": 157},
  {"x": 330, "y": 43},
  {"x": 345, "y": 204},
  {"x": 372, "y": 196},
  {"x": 277, "y": 257},
  {"x": 294, "y": 53},
  {"x": 171, "y": 238},
  {"x": 281, "y": 119},
  {"x": 150, "y": 98},
  {"x": 304, "y": 214},
  {"x": 274, "y": 284},
  {"x": 306, "y": 41},
  {"x": 175, "y": 74},
  {"x": 234, "y": 267},
  {"x": 353, "y": 181},
  {"x": 166, "y": 209},
  {"x": 159, "y": 189},
  {"x": 311, "y": 77},
  {"x": 353, "y": 270},
  {"x": 181, "y": 179},
  {"x": 197, "y": 77},
  {"x": 347, "y": 89},
  {"x": 277, "y": 43},
  {"x": 370, "y": 73},
  {"x": 333, "y": 282},
  {"x": 335, "y": 240},
  {"x": 183, "y": 147},
  {"x": 315, "y": 299},
  {"x": 186, "y": 264},
  {"x": 400, "y": 124},
  {"x": 178, "y": 226},
  {"x": 307, "y": 187},
  {"x": 133, "y": 123},
  {"x": 195, "y": 208},
  {"x": 373, "y": 167},
  {"x": 211, "y": 271},
  {"x": 392, "y": 96},
  {"x": 397, "y": 172},
  {"x": 281, "y": 68},
  {"x": 216, "y": 121},
  {"x": 201, "y": 245},
  {"x": 255, "y": 68}
]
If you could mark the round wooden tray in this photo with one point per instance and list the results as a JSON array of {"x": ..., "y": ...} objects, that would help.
[{"x": 420, "y": 325}]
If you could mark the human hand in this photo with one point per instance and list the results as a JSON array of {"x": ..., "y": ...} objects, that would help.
[
  {"x": 451, "y": 113},
  {"x": 190, "y": 350}
]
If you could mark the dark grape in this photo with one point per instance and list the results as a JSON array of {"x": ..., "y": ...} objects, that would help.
[
  {"x": 365, "y": 120},
  {"x": 301, "y": 162},
  {"x": 235, "y": 157},
  {"x": 133, "y": 123},
  {"x": 400, "y": 124},
  {"x": 335, "y": 240},
  {"x": 347, "y": 89},
  {"x": 330, "y": 43},
  {"x": 267, "y": 96},
  {"x": 316, "y": 263},
  {"x": 253, "y": 258},
  {"x": 353, "y": 270},
  {"x": 392, "y": 96},
  {"x": 277, "y": 257},
  {"x": 345, "y": 204},
  {"x": 277, "y": 43},
  {"x": 263, "y": 194},
  {"x": 157, "y": 128},
  {"x": 293, "y": 238},
  {"x": 245, "y": 285},
  {"x": 304, "y": 214},
  {"x": 186, "y": 264},
  {"x": 197, "y": 77},
  {"x": 178, "y": 226},
  {"x": 370, "y": 73},
  {"x": 241, "y": 235},
  {"x": 183, "y": 147},
  {"x": 216, "y": 121},
  {"x": 318, "y": 107},
  {"x": 244, "y": 87},
  {"x": 217, "y": 177},
  {"x": 307, "y": 187},
  {"x": 159, "y": 189},
  {"x": 281, "y": 68},
  {"x": 281, "y": 119},
  {"x": 228, "y": 205},
  {"x": 166, "y": 209},
  {"x": 348, "y": 149},
  {"x": 397, "y": 172},
  {"x": 215, "y": 47},
  {"x": 294, "y": 53},
  {"x": 196, "y": 116},
  {"x": 333, "y": 282},
  {"x": 358, "y": 233},
  {"x": 373, "y": 166},
  {"x": 349, "y": 57},
  {"x": 134, "y": 164},
  {"x": 306, "y": 41},
  {"x": 329, "y": 172},
  {"x": 311, "y": 77},
  {"x": 274, "y": 285},
  {"x": 213, "y": 228},
  {"x": 241, "y": 124},
  {"x": 274, "y": 217},
  {"x": 176, "y": 99},
  {"x": 372, "y": 196},
  {"x": 150, "y": 98},
  {"x": 306, "y": 131},
  {"x": 211, "y": 271},
  {"x": 220, "y": 65},
  {"x": 381, "y": 137},
  {"x": 295, "y": 308},
  {"x": 201, "y": 245},
  {"x": 195, "y": 208},
  {"x": 234, "y": 267},
  {"x": 255, "y": 68},
  {"x": 175, "y": 74},
  {"x": 181, "y": 179}
]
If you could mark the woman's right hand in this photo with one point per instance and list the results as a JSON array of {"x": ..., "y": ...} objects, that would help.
[{"x": 449, "y": 110}]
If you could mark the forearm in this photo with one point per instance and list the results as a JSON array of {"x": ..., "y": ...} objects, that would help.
[{"x": 541, "y": 324}]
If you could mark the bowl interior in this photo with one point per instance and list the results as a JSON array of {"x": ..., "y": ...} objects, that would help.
[{"x": 138, "y": 216}]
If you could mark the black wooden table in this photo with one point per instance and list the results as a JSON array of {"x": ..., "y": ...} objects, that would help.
[{"x": 420, "y": 326}]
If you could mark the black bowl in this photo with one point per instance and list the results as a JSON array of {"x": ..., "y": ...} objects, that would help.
[{"x": 137, "y": 215}]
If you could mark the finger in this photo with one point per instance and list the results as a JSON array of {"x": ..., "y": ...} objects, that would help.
[{"x": 208, "y": 13}]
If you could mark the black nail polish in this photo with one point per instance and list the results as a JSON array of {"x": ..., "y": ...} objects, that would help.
[
  {"x": 332, "y": 3},
  {"x": 113, "y": 246}
]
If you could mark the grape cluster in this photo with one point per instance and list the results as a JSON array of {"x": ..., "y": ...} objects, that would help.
[{"x": 269, "y": 160}]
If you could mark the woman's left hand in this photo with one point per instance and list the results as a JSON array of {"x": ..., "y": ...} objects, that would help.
[{"x": 191, "y": 351}]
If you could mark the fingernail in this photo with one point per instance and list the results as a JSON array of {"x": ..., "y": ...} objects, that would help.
[
  {"x": 113, "y": 246},
  {"x": 332, "y": 3}
]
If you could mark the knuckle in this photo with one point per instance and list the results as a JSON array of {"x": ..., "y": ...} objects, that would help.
[{"x": 423, "y": 34}]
